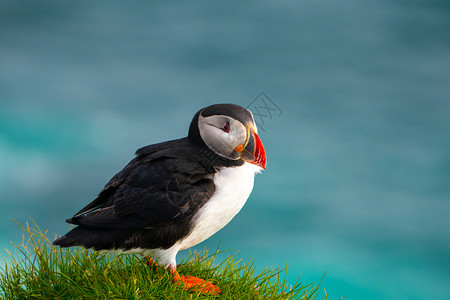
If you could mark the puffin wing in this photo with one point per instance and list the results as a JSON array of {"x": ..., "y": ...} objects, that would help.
[{"x": 160, "y": 185}]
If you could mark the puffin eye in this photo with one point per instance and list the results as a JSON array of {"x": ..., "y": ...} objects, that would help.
[{"x": 226, "y": 127}]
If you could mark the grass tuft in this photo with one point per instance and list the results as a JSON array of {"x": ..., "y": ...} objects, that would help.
[{"x": 38, "y": 270}]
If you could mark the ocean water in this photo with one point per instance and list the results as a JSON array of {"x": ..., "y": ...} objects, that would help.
[{"x": 352, "y": 99}]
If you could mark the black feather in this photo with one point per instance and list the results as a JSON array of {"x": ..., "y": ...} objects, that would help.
[{"x": 151, "y": 202}]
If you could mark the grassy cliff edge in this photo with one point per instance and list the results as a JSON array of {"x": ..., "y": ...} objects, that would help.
[{"x": 38, "y": 270}]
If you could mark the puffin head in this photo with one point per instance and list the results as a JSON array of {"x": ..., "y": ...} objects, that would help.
[{"x": 230, "y": 131}]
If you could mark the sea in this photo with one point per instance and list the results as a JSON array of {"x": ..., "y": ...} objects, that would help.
[{"x": 351, "y": 98}]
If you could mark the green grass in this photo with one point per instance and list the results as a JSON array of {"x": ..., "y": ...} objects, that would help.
[{"x": 38, "y": 270}]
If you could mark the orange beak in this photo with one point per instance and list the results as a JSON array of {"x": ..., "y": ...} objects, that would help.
[{"x": 253, "y": 150}]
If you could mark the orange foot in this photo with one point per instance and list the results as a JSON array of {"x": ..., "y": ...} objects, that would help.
[
  {"x": 196, "y": 284},
  {"x": 192, "y": 283},
  {"x": 149, "y": 261},
  {"x": 199, "y": 285}
]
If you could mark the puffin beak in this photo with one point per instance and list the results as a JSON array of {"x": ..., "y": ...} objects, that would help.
[{"x": 253, "y": 150}]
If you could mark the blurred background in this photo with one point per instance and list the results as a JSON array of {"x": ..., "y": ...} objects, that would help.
[{"x": 358, "y": 138}]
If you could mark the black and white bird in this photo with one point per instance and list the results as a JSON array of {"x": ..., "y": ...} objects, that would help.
[{"x": 176, "y": 194}]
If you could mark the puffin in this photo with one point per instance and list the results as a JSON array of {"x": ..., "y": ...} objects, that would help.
[{"x": 176, "y": 194}]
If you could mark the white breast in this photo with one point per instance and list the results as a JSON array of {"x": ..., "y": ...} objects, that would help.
[{"x": 233, "y": 186}]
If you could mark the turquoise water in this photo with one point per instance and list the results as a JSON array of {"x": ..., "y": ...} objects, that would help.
[{"x": 357, "y": 181}]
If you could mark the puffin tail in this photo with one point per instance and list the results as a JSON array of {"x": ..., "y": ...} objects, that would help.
[
  {"x": 67, "y": 240},
  {"x": 64, "y": 242},
  {"x": 98, "y": 239}
]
